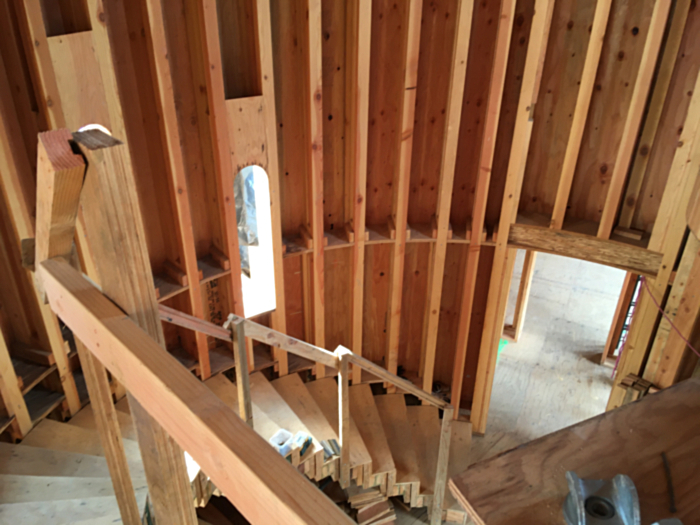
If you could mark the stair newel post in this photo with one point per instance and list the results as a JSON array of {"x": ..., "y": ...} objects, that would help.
[
  {"x": 344, "y": 355},
  {"x": 441, "y": 473},
  {"x": 245, "y": 405}
]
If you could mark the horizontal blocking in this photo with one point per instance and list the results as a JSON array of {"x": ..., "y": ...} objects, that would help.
[{"x": 584, "y": 247}]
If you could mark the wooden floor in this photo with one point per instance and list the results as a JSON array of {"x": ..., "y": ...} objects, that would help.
[{"x": 550, "y": 379}]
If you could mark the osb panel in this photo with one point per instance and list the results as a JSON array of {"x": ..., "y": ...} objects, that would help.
[
  {"x": 415, "y": 282},
  {"x": 386, "y": 84},
  {"x": 671, "y": 124},
  {"x": 294, "y": 296},
  {"x": 476, "y": 93},
  {"x": 437, "y": 37},
  {"x": 628, "y": 28},
  {"x": 338, "y": 294},
  {"x": 333, "y": 49},
  {"x": 566, "y": 52},
  {"x": 376, "y": 301}
]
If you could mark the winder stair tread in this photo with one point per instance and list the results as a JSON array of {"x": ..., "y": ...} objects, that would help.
[
  {"x": 86, "y": 419},
  {"x": 425, "y": 425},
  {"x": 33, "y": 461},
  {"x": 27, "y": 489},
  {"x": 394, "y": 417}
]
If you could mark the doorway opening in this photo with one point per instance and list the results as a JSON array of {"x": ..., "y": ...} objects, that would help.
[{"x": 254, "y": 218}]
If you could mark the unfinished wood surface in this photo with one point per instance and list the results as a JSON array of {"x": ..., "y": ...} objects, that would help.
[
  {"x": 34, "y": 461},
  {"x": 502, "y": 267},
  {"x": 523, "y": 296},
  {"x": 245, "y": 407},
  {"x": 442, "y": 466},
  {"x": 585, "y": 247},
  {"x": 598, "y": 448},
  {"x": 222, "y": 442},
  {"x": 620, "y": 315},
  {"x": 642, "y": 84},
  {"x": 583, "y": 102},
  {"x": 86, "y": 419},
  {"x": 425, "y": 429},
  {"x": 11, "y": 392},
  {"x": 344, "y": 416},
  {"x": 392, "y": 411}
]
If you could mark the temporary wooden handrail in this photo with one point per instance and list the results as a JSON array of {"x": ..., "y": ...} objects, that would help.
[{"x": 262, "y": 485}]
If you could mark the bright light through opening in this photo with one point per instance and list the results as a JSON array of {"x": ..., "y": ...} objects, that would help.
[{"x": 259, "y": 287}]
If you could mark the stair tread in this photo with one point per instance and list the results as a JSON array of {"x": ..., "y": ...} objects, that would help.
[
  {"x": 86, "y": 419},
  {"x": 297, "y": 396},
  {"x": 24, "y": 489},
  {"x": 30, "y": 373},
  {"x": 425, "y": 427},
  {"x": 123, "y": 405},
  {"x": 392, "y": 410},
  {"x": 63, "y": 512},
  {"x": 364, "y": 412},
  {"x": 33, "y": 461},
  {"x": 325, "y": 393}
]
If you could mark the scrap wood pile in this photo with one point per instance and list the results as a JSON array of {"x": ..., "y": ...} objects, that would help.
[{"x": 373, "y": 507}]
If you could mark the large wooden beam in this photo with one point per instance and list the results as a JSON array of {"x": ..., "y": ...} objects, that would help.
[
  {"x": 257, "y": 480},
  {"x": 642, "y": 85},
  {"x": 666, "y": 237},
  {"x": 504, "y": 256},
  {"x": 583, "y": 102},
  {"x": 453, "y": 110},
  {"x": 579, "y": 246},
  {"x": 359, "y": 33}
]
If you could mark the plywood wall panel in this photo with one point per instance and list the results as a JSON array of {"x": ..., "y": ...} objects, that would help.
[
  {"x": 376, "y": 302},
  {"x": 670, "y": 124},
  {"x": 386, "y": 85},
  {"x": 415, "y": 285},
  {"x": 294, "y": 296},
  {"x": 437, "y": 39},
  {"x": 333, "y": 49},
  {"x": 289, "y": 46},
  {"x": 476, "y": 91},
  {"x": 338, "y": 297},
  {"x": 566, "y": 52},
  {"x": 511, "y": 95},
  {"x": 622, "y": 52}
]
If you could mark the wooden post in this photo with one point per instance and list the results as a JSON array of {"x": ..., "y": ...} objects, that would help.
[
  {"x": 523, "y": 295},
  {"x": 11, "y": 393},
  {"x": 110, "y": 434},
  {"x": 441, "y": 473},
  {"x": 344, "y": 414},
  {"x": 623, "y": 304},
  {"x": 245, "y": 405}
]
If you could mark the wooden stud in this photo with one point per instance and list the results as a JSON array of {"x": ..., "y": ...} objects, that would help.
[
  {"x": 358, "y": 36},
  {"x": 642, "y": 85},
  {"x": 107, "y": 426},
  {"x": 11, "y": 392},
  {"x": 523, "y": 294},
  {"x": 163, "y": 86},
  {"x": 667, "y": 236},
  {"x": 344, "y": 414},
  {"x": 623, "y": 303},
  {"x": 409, "y": 53},
  {"x": 245, "y": 405},
  {"x": 654, "y": 111},
  {"x": 583, "y": 102},
  {"x": 442, "y": 467},
  {"x": 503, "y": 260},
  {"x": 453, "y": 109}
]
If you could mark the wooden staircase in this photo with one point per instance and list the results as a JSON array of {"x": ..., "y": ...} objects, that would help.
[{"x": 393, "y": 446}]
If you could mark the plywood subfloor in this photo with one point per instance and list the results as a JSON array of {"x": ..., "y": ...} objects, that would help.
[{"x": 551, "y": 378}]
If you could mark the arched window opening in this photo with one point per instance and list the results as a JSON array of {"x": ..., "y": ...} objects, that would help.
[{"x": 254, "y": 217}]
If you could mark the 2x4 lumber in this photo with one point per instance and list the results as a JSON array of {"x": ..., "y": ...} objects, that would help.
[
  {"x": 503, "y": 260},
  {"x": 586, "y": 247},
  {"x": 11, "y": 392},
  {"x": 409, "y": 54},
  {"x": 279, "y": 317},
  {"x": 453, "y": 109},
  {"x": 113, "y": 219},
  {"x": 642, "y": 85},
  {"x": 359, "y": 21},
  {"x": 110, "y": 435},
  {"x": 583, "y": 102},
  {"x": 170, "y": 131},
  {"x": 170, "y": 315},
  {"x": 488, "y": 145},
  {"x": 653, "y": 113},
  {"x": 523, "y": 293},
  {"x": 245, "y": 404},
  {"x": 682, "y": 307},
  {"x": 314, "y": 108},
  {"x": 666, "y": 237},
  {"x": 265, "y": 488},
  {"x": 344, "y": 414},
  {"x": 442, "y": 466},
  {"x": 623, "y": 303}
]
